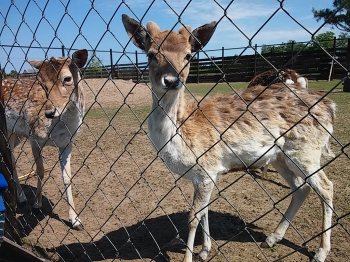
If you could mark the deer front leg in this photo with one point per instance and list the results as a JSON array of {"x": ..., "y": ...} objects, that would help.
[
  {"x": 40, "y": 173},
  {"x": 199, "y": 212},
  {"x": 21, "y": 197},
  {"x": 65, "y": 155}
]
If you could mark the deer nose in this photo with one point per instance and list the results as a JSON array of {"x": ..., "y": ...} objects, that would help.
[
  {"x": 51, "y": 113},
  {"x": 171, "y": 81},
  {"x": 50, "y": 110}
]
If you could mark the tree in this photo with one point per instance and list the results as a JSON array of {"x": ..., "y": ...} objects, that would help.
[
  {"x": 94, "y": 67},
  {"x": 95, "y": 64},
  {"x": 324, "y": 40},
  {"x": 272, "y": 49},
  {"x": 13, "y": 73},
  {"x": 338, "y": 17},
  {"x": 284, "y": 47},
  {"x": 342, "y": 41}
]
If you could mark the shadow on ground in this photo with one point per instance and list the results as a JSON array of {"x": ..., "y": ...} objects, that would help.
[
  {"x": 153, "y": 238},
  {"x": 29, "y": 218}
]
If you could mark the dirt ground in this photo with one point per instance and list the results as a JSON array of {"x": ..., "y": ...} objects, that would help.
[{"x": 134, "y": 209}]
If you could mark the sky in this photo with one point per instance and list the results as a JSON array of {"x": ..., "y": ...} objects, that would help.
[{"x": 37, "y": 29}]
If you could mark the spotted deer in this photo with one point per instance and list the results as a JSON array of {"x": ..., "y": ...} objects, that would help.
[
  {"x": 272, "y": 76},
  {"x": 202, "y": 140},
  {"x": 48, "y": 110}
]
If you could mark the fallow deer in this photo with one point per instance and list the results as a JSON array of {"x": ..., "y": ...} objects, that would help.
[
  {"x": 272, "y": 76},
  {"x": 48, "y": 110},
  {"x": 202, "y": 140}
]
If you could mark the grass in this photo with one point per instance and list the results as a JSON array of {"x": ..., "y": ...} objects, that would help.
[
  {"x": 225, "y": 88},
  {"x": 138, "y": 113}
]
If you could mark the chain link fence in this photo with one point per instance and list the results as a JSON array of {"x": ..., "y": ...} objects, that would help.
[{"x": 132, "y": 207}]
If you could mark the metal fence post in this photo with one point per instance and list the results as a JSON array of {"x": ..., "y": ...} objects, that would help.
[{"x": 63, "y": 52}]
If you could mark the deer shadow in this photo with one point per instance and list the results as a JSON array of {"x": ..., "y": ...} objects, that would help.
[
  {"x": 29, "y": 218},
  {"x": 154, "y": 238}
]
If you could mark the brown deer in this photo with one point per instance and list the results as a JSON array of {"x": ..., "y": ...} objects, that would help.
[
  {"x": 272, "y": 76},
  {"x": 223, "y": 133},
  {"x": 48, "y": 110}
]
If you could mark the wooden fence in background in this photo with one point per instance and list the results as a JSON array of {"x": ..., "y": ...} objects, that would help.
[{"x": 314, "y": 64}]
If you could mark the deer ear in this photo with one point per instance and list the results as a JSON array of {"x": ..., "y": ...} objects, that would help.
[
  {"x": 80, "y": 57},
  {"x": 201, "y": 36},
  {"x": 136, "y": 31},
  {"x": 35, "y": 63}
]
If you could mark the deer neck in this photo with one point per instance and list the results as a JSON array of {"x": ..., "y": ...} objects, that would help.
[
  {"x": 79, "y": 99},
  {"x": 163, "y": 123}
]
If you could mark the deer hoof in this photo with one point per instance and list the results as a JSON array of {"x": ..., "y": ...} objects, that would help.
[
  {"x": 78, "y": 227},
  {"x": 320, "y": 255}
]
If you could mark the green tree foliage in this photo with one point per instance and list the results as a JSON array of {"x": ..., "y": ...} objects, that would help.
[
  {"x": 339, "y": 16},
  {"x": 95, "y": 64},
  {"x": 13, "y": 73},
  {"x": 324, "y": 40},
  {"x": 342, "y": 41}
]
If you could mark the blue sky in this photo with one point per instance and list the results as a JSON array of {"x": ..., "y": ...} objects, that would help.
[{"x": 97, "y": 25}]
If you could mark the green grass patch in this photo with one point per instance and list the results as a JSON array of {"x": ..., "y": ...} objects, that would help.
[
  {"x": 225, "y": 88},
  {"x": 138, "y": 112},
  {"x": 213, "y": 88}
]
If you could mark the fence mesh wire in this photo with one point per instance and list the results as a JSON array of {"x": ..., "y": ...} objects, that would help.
[{"x": 131, "y": 205}]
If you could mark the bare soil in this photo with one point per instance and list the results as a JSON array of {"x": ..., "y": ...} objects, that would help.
[{"x": 134, "y": 209}]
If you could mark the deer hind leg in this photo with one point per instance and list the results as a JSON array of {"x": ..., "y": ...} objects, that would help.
[
  {"x": 21, "y": 197},
  {"x": 65, "y": 155},
  {"x": 199, "y": 212},
  {"x": 324, "y": 189},
  {"x": 321, "y": 185},
  {"x": 300, "y": 192}
]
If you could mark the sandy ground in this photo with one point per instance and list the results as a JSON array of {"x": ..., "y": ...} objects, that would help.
[{"x": 134, "y": 209}]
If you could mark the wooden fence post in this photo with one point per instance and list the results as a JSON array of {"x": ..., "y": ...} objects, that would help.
[
  {"x": 223, "y": 60},
  {"x": 346, "y": 87},
  {"x": 292, "y": 53},
  {"x": 111, "y": 60},
  {"x": 255, "y": 59},
  {"x": 11, "y": 225},
  {"x": 331, "y": 70},
  {"x": 137, "y": 67},
  {"x": 197, "y": 67}
]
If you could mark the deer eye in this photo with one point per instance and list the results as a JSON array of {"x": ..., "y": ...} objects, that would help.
[
  {"x": 188, "y": 57},
  {"x": 67, "y": 80},
  {"x": 151, "y": 56}
]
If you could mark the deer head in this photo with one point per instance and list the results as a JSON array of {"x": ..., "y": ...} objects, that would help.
[
  {"x": 169, "y": 53},
  {"x": 60, "y": 78}
]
